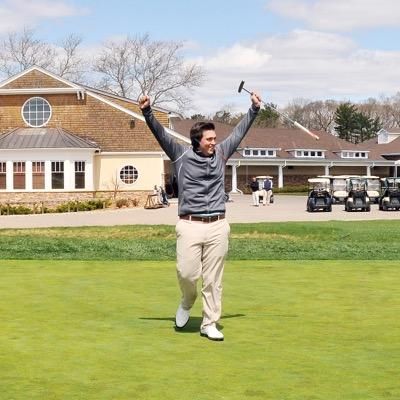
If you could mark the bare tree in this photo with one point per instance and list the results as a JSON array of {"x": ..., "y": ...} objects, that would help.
[
  {"x": 20, "y": 51},
  {"x": 391, "y": 111},
  {"x": 316, "y": 115},
  {"x": 139, "y": 65},
  {"x": 69, "y": 63},
  {"x": 23, "y": 50},
  {"x": 321, "y": 115},
  {"x": 113, "y": 64}
]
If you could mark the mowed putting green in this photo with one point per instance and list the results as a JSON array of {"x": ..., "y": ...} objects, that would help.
[{"x": 293, "y": 330}]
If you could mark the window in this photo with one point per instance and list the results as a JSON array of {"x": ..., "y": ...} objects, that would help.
[
  {"x": 36, "y": 112},
  {"x": 37, "y": 174},
  {"x": 3, "y": 175},
  {"x": 259, "y": 152},
  {"x": 128, "y": 174},
  {"x": 309, "y": 153},
  {"x": 19, "y": 175},
  {"x": 57, "y": 175},
  {"x": 80, "y": 174},
  {"x": 354, "y": 154}
]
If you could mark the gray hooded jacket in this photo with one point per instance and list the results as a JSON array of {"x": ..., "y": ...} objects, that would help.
[{"x": 201, "y": 179}]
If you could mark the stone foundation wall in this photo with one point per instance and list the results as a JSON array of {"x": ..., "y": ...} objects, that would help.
[{"x": 57, "y": 198}]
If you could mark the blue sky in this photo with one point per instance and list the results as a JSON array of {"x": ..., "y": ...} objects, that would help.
[{"x": 285, "y": 49}]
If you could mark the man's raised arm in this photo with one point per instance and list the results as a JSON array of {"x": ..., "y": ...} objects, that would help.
[
  {"x": 166, "y": 141},
  {"x": 230, "y": 144}
]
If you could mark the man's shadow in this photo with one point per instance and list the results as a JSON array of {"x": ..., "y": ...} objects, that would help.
[{"x": 193, "y": 324}]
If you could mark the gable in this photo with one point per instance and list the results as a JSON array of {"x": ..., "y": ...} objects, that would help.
[{"x": 35, "y": 79}]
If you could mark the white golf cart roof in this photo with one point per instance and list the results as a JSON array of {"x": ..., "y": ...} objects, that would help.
[
  {"x": 264, "y": 177},
  {"x": 391, "y": 179},
  {"x": 319, "y": 180}
]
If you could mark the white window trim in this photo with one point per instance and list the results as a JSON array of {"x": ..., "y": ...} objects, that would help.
[
  {"x": 352, "y": 154},
  {"x": 119, "y": 175},
  {"x": 309, "y": 151},
  {"x": 253, "y": 149},
  {"x": 69, "y": 172},
  {"x": 36, "y": 126}
]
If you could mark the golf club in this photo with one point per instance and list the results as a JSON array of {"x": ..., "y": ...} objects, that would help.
[{"x": 295, "y": 123}]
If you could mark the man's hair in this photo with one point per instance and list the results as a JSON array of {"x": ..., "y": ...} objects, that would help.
[{"x": 196, "y": 132}]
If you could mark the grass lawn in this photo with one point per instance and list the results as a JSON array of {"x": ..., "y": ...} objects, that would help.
[
  {"x": 299, "y": 330},
  {"x": 333, "y": 240}
]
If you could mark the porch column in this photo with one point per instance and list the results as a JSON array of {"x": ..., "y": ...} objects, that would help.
[
  {"x": 69, "y": 175},
  {"x": 368, "y": 170},
  {"x": 280, "y": 175},
  {"x": 327, "y": 167},
  {"x": 47, "y": 175},
  {"x": 234, "y": 180},
  {"x": 9, "y": 175},
  {"x": 89, "y": 178},
  {"x": 28, "y": 175}
]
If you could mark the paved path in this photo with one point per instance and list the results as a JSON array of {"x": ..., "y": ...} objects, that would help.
[{"x": 285, "y": 208}]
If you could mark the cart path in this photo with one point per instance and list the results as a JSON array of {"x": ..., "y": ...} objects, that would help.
[{"x": 240, "y": 210}]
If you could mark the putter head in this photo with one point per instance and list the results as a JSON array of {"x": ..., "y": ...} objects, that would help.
[{"x": 241, "y": 86}]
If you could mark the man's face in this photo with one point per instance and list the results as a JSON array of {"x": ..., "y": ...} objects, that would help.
[{"x": 207, "y": 143}]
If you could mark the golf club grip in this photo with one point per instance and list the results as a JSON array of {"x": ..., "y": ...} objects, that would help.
[{"x": 305, "y": 130}]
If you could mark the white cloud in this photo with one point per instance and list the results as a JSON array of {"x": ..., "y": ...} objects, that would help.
[
  {"x": 15, "y": 14},
  {"x": 239, "y": 57},
  {"x": 339, "y": 15},
  {"x": 301, "y": 64}
]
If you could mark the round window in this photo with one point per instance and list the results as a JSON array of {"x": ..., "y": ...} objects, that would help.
[
  {"x": 36, "y": 112},
  {"x": 128, "y": 174}
]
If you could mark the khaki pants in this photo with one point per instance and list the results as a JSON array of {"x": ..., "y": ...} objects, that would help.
[
  {"x": 201, "y": 249},
  {"x": 256, "y": 197},
  {"x": 267, "y": 196}
]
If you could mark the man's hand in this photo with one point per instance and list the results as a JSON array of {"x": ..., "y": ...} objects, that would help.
[
  {"x": 256, "y": 99},
  {"x": 144, "y": 101}
]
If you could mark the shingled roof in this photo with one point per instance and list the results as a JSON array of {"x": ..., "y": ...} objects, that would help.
[
  {"x": 43, "y": 138},
  {"x": 286, "y": 140},
  {"x": 382, "y": 150}
]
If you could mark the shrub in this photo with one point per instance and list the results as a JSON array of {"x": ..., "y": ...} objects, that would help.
[
  {"x": 135, "y": 202},
  {"x": 122, "y": 203},
  {"x": 292, "y": 189}
]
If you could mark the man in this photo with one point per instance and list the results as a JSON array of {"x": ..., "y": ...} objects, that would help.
[
  {"x": 202, "y": 230},
  {"x": 254, "y": 186},
  {"x": 267, "y": 187}
]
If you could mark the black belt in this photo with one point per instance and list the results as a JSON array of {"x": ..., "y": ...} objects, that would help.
[{"x": 206, "y": 220}]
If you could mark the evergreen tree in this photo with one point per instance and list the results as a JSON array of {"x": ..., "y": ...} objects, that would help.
[
  {"x": 346, "y": 121},
  {"x": 366, "y": 128},
  {"x": 267, "y": 117}
]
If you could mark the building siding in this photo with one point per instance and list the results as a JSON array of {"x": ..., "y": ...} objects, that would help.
[
  {"x": 90, "y": 118},
  {"x": 35, "y": 79}
]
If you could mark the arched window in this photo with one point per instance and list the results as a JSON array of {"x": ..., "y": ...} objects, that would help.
[
  {"x": 36, "y": 112},
  {"x": 128, "y": 174}
]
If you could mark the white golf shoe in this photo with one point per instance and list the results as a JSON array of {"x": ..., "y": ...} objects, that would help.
[
  {"x": 212, "y": 333},
  {"x": 181, "y": 317}
]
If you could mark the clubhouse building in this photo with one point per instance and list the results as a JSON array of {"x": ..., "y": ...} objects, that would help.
[{"x": 60, "y": 141}]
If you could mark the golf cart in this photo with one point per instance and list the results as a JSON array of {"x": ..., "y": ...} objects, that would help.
[
  {"x": 339, "y": 189},
  {"x": 373, "y": 188},
  {"x": 260, "y": 180},
  {"x": 357, "y": 196},
  {"x": 319, "y": 195},
  {"x": 390, "y": 194}
]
